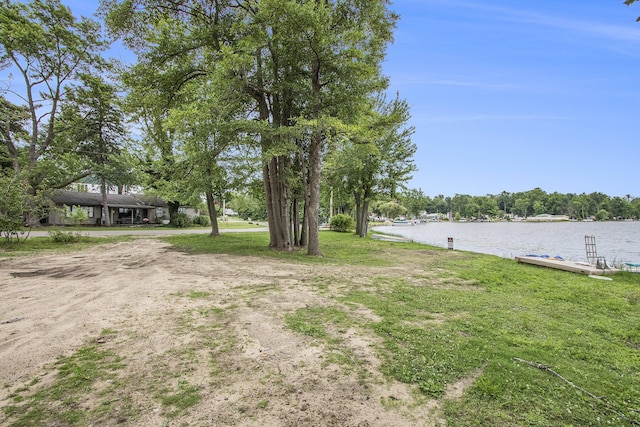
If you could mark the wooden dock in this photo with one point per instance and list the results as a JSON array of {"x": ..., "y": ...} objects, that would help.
[{"x": 574, "y": 267}]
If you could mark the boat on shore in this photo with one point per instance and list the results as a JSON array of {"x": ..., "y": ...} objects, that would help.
[
  {"x": 401, "y": 222},
  {"x": 633, "y": 267},
  {"x": 547, "y": 218}
]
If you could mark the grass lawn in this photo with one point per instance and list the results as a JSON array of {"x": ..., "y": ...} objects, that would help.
[
  {"x": 36, "y": 245},
  {"x": 237, "y": 224},
  {"x": 468, "y": 313}
]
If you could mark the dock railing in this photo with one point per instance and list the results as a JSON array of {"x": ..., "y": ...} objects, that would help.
[{"x": 592, "y": 253}]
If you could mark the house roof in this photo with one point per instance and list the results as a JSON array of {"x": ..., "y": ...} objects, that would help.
[{"x": 69, "y": 198}]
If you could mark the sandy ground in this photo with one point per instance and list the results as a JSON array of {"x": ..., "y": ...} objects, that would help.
[{"x": 215, "y": 322}]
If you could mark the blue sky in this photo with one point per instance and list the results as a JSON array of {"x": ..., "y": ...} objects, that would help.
[{"x": 513, "y": 95}]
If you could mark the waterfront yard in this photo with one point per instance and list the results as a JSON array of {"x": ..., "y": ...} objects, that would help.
[{"x": 189, "y": 330}]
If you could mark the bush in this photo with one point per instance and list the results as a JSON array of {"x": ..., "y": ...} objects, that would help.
[
  {"x": 64, "y": 237},
  {"x": 180, "y": 220},
  {"x": 342, "y": 223},
  {"x": 17, "y": 206},
  {"x": 202, "y": 220}
]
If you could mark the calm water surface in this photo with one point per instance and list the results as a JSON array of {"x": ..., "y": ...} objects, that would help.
[{"x": 616, "y": 241}]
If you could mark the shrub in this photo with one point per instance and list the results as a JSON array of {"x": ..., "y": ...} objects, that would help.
[
  {"x": 342, "y": 223},
  {"x": 64, "y": 237},
  {"x": 17, "y": 207},
  {"x": 202, "y": 220},
  {"x": 180, "y": 220}
]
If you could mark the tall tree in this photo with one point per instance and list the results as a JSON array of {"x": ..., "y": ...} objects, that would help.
[
  {"x": 521, "y": 206},
  {"x": 208, "y": 127},
  {"x": 148, "y": 103},
  {"x": 44, "y": 44},
  {"x": 93, "y": 121},
  {"x": 344, "y": 45},
  {"x": 415, "y": 201},
  {"x": 377, "y": 159},
  {"x": 178, "y": 47}
]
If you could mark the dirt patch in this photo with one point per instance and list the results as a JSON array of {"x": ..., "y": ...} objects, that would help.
[{"x": 211, "y": 325}]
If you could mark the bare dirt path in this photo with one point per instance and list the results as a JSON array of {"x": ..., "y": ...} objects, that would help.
[{"x": 211, "y": 324}]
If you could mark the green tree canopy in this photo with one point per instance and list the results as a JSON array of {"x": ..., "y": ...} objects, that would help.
[
  {"x": 301, "y": 68},
  {"x": 43, "y": 44}
]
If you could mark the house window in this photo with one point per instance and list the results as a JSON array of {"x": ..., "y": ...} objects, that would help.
[
  {"x": 159, "y": 212},
  {"x": 182, "y": 209}
]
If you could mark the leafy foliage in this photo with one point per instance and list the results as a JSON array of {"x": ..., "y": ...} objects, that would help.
[
  {"x": 92, "y": 121},
  {"x": 12, "y": 208},
  {"x": 342, "y": 223},
  {"x": 278, "y": 76},
  {"x": 374, "y": 159},
  {"x": 392, "y": 209},
  {"x": 64, "y": 237},
  {"x": 533, "y": 202},
  {"x": 17, "y": 207},
  {"x": 46, "y": 47},
  {"x": 75, "y": 217},
  {"x": 248, "y": 206},
  {"x": 201, "y": 220},
  {"x": 181, "y": 220}
]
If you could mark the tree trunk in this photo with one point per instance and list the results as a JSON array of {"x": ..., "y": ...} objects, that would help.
[
  {"x": 173, "y": 208},
  {"x": 358, "y": 201},
  {"x": 105, "y": 204},
  {"x": 364, "y": 219},
  {"x": 277, "y": 204},
  {"x": 271, "y": 220},
  {"x": 273, "y": 170},
  {"x": 304, "y": 235},
  {"x": 295, "y": 222},
  {"x": 315, "y": 166},
  {"x": 273, "y": 174},
  {"x": 213, "y": 214}
]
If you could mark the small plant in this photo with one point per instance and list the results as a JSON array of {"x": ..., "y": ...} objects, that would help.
[
  {"x": 185, "y": 397},
  {"x": 342, "y": 223},
  {"x": 64, "y": 237},
  {"x": 198, "y": 294}
]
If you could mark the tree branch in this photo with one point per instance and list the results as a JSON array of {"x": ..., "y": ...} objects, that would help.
[{"x": 588, "y": 393}]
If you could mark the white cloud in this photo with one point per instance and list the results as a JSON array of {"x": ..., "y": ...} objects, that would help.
[{"x": 630, "y": 32}]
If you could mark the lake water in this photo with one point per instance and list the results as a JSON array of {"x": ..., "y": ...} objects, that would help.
[{"x": 616, "y": 241}]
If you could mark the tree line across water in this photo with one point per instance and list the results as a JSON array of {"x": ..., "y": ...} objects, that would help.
[
  {"x": 415, "y": 204},
  {"x": 595, "y": 205}
]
